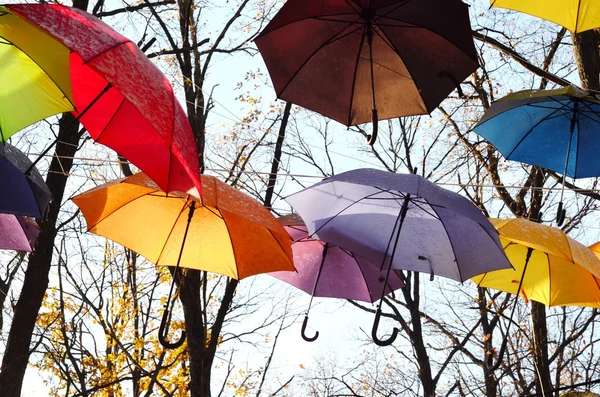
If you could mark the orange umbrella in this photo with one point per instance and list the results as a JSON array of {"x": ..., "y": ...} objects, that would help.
[
  {"x": 225, "y": 232},
  {"x": 228, "y": 232}
]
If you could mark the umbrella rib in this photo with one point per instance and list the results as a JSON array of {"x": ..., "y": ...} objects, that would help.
[
  {"x": 451, "y": 246},
  {"x": 114, "y": 211},
  {"x": 342, "y": 210},
  {"x": 364, "y": 277},
  {"x": 528, "y": 133},
  {"x": 591, "y": 112},
  {"x": 335, "y": 37},
  {"x": 41, "y": 68},
  {"x": 358, "y": 57},
  {"x": 112, "y": 118},
  {"x": 486, "y": 273},
  {"x": 387, "y": 41},
  {"x": 171, "y": 232}
]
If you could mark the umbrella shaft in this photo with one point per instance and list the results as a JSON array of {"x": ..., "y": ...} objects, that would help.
[
  {"x": 312, "y": 295},
  {"x": 370, "y": 43},
  {"x": 399, "y": 221}
]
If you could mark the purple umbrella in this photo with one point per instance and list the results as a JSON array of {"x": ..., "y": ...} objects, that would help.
[
  {"x": 325, "y": 270},
  {"x": 17, "y": 232},
  {"x": 24, "y": 191},
  {"x": 404, "y": 221}
]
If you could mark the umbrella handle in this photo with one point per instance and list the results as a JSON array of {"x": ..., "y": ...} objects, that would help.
[
  {"x": 560, "y": 214},
  {"x": 303, "y": 331},
  {"x": 489, "y": 361},
  {"x": 164, "y": 329},
  {"x": 378, "y": 341},
  {"x": 375, "y": 120}
]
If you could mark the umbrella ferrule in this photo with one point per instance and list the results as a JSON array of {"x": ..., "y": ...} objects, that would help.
[{"x": 368, "y": 15}]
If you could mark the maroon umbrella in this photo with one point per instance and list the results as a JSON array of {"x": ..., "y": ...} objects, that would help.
[
  {"x": 121, "y": 98},
  {"x": 361, "y": 60},
  {"x": 325, "y": 270}
]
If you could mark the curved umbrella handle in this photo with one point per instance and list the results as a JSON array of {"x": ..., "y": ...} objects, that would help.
[
  {"x": 373, "y": 136},
  {"x": 378, "y": 341},
  {"x": 303, "y": 331},
  {"x": 489, "y": 361},
  {"x": 560, "y": 214},
  {"x": 164, "y": 330}
]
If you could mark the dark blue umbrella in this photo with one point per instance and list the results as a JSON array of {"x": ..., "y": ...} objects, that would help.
[
  {"x": 554, "y": 129},
  {"x": 24, "y": 191},
  {"x": 403, "y": 222}
]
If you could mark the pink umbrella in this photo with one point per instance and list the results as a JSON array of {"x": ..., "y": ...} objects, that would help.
[
  {"x": 17, "y": 232},
  {"x": 121, "y": 97},
  {"x": 325, "y": 270}
]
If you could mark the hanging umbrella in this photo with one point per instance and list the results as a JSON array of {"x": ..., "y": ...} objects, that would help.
[
  {"x": 227, "y": 232},
  {"x": 367, "y": 60},
  {"x": 324, "y": 270},
  {"x": 402, "y": 220},
  {"x": 577, "y": 16},
  {"x": 120, "y": 96},
  {"x": 34, "y": 75},
  {"x": 24, "y": 191},
  {"x": 548, "y": 267},
  {"x": 17, "y": 232},
  {"x": 554, "y": 129}
]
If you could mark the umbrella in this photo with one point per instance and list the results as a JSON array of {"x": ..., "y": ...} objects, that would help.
[
  {"x": 549, "y": 267},
  {"x": 24, "y": 191},
  {"x": 17, "y": 232},
  {"x": 367, "y": 60},
  {"x": 555, "y": 129},
  {"x": 401, "y": 220},
  {"x": 34, "y": 75},
  {"x": 577, "y": 16},
  {"x": 325, "y": 270},
  {"x": 226, "y": 232},
  {"x": 121, "y": 97}
]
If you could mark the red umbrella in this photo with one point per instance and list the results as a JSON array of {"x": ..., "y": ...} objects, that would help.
[
  {"x": 361, "y": 60},
  {"x": 121, "y": 97}
]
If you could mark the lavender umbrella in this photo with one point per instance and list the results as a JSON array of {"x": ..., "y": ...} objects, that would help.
[
  {"x": 17, "y": 232},
  {"x": 401, "y": 222},
  {"x": 24, "y": 191},
  {"x": 325, "y": 270}
]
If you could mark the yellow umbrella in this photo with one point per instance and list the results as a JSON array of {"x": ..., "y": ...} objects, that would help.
[
  {"x": 577, "y": 16},
  {"x": 549, "y": 267},
  {"x": 35, "y": 76},
  {"x": 226, "y": 232}
]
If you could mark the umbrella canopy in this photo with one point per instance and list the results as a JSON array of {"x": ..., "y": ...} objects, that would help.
[
  {"x": 227, "y": 231},
  {"x": 325, "y": 270},
  {"x": 24, "y": 191},
  {"x": 17, "y": 232},
  {"x": 121, "y": 97},
  {"x": 34, "y": 75},
  {"x": 560, "y": 270},
  {"x": 329, "y": 271},
  {"x": 555, "y": 129},
  {"x": 549, "y": 267},
  {"x": 358, "y": 60},
  {"x": 577, "y": 16},
  {"x": 442, "y": 232}
]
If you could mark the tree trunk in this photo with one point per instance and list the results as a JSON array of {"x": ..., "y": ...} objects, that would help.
[
  {"x": 35, "y": 283},
  {"x": 540, "y": 345},
  {"x": 587, "y": 56},
  {"x": 199, "y": 385}
]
